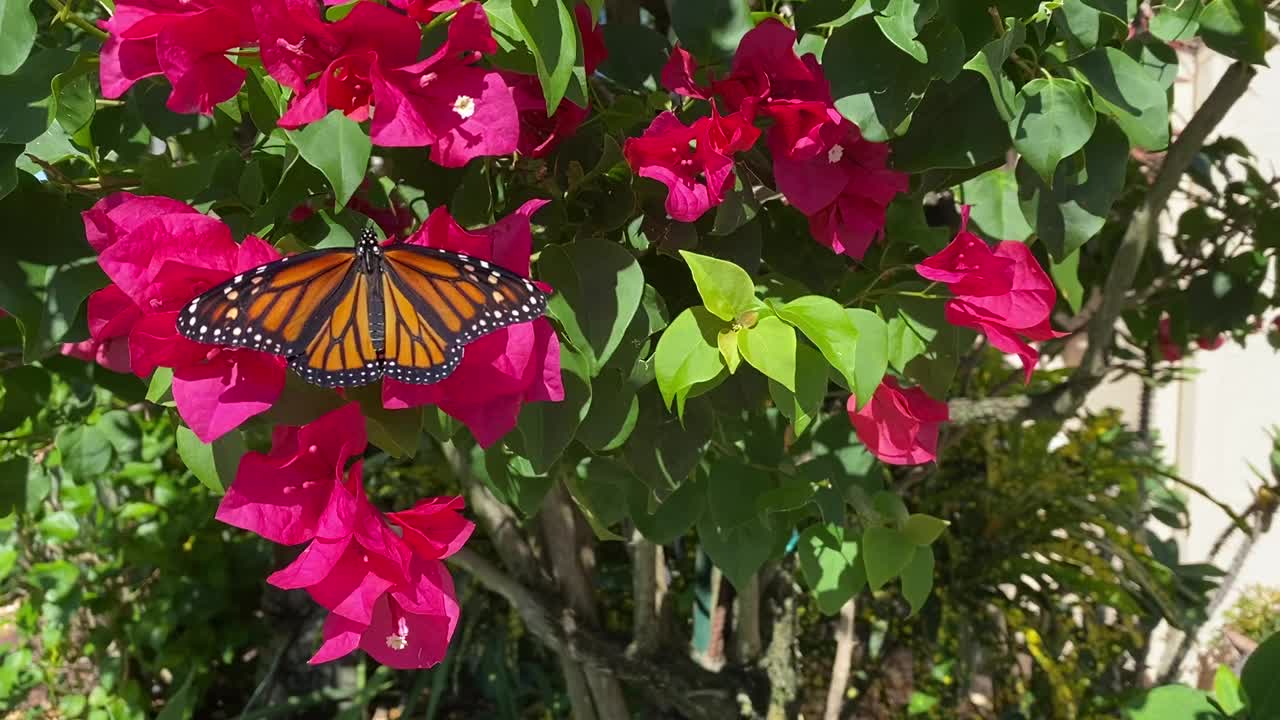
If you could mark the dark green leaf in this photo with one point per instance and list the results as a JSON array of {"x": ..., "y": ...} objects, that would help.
[
  {"x": 9, "y": 154},
  {"x": 549, "y": 30},
  {"x": 600, "y": 487},
  {"x": 26, "y": 390},
  {"x": 923, "y": 529},
  {"x": 598, "y": 290},
  {"x": 395, "y": 431},
  {"x": 121, "y": 429},
  {"x": 337, "y": 147},
  {"x": 874, "y": 84},
  {"x": 662, "y": 521},
  {"x": 732, "y": 491},
  {"x": 13, "y": 485},
  {"x": 1084, "y": 187},
  {"x": 86, "y": 451},
  {"x": 1236, "y": 28},
  {"x": 1177, "y": 20},
  {"x": 1259, "y": 679},
  {"x": 613, "y": 414},
  {"x": 917, "y": 578},
  {"x": 636, "y": 55},
  {"x": 1066, "y": 275},
  {"x": 18, "y": 28},
  {"x": 1126, "y": 92},
  {"x": 663, "y": 451},
  {"x": 24, "y": 114},
  {"x": 266, "y": 103},
  {"x": 957, "y": 126},
  {"x": 1055, "y": 120},
  {"x": 710, "y": 28},
  {"x": 67, "y": 287},
  {"x": 989, "y": 62},
  {"x": 546, "y": 428},
  {"x": 738, "y": 551},
  {"x": 831, "y": 566},
  {"x": 885, "y": 553},
  {"x": 1086, "y": 26}
]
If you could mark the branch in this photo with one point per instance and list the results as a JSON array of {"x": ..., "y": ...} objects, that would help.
[
  {"x": 1065, "y": 400},
  {"x": 676, "y": 684}
]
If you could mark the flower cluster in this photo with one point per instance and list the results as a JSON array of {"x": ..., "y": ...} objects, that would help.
[
  {"x": 366, "y": 65},
  {"x": 822, "y": 164},
  {"x": 158, "y": 254},
  {"x": 1002, "y": 293},
  {"x": 387, "y": 593},
  {"x": 899, "y": 426}
]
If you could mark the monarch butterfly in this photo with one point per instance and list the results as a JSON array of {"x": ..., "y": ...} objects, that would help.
[{"x": 346, "y": 317}]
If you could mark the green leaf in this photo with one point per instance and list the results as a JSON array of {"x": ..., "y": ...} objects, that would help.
[
  {"x": 67, "y": 287},
  {"x": 923, "y": 529},
  {"x": 214, "y": 464},
  {"x": 989, "y": 62},
  {"x": 727, "y": 341},
  {"x": 472, "y": 202},
  {"x": 266, "y": 102},
  {"x": 1084, "y": 187},
  {"x": 613, "y": 413},
  {"x": 14, "y": 485},
  {"x": 599, "y": 486},
  {"x": 1086, "y": 27},
  {"x": 160, "y": 387},
  {"x": 73, "y": 99},
  {"x": 834, "y": 332},
  {"x": 993, "y": 200},
  {"x": 1259, "y": 679},
  {"x": 1127, "y": 93},
  {"x": 637, "y": 55},
  {"x": 1054, "y": 121},
  {"x": 551, "y": 33},
  {"x": 917, "y": 578},
  {"x": 337, "y": 147},
  {"x": 687, "y": 354},
  {"x": 24, "y": 114},
  {"x": 86, "y": 451},
  {"x": 177, "y": 705},
  {"x": 1173, "y": 702},
  {"x": 956, "y": 126},
  {"x": 905, "y": 343},
  {"x": 901, "y": 22},
  {"x": 726, "y": 289},
  {"x": 871, "y": 360},
  {"x": 9, "y": 153},
  {"x": 18, "y": 28},
  {"x": 26, "y": 391},
  {"x": 1226, "y": 690},
  {"x": 738, "y": 551},
  {"x": 711, "y": 30},
  {"x": 733, "y": 489},
  {"x": 662, "y": 521},
  {"x": 1066, "y": 275},
  {"x": 890, "y": 507},
  {"x": 546, "y": 428},
  {"x": 885, "y": 552},
  {"x": 831, "y": 566},
  {"x": 804, "y": 404},
  {"x": 770, "y": 347},
  {"x": 599, "y": 286},
  {"x": 122, "y": 430},
  {"x": 1177, "y": 20},
  {"x": 395, "y": 431},
  {"x": 60, "y": 526},
  {"x": 512, "y": 478},
  {"x": 1236, "y": 28},
  {"x": 874, "y": 84}
]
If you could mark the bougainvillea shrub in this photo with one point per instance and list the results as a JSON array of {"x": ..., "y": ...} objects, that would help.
[{"x": 796, "y": 251}]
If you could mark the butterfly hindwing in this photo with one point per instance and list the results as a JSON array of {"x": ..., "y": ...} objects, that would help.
[
  {"x": 276, "y": 308},
  {"x": 345, "y": 350}
]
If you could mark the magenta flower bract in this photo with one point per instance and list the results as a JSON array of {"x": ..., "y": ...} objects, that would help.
[
  {"x": 899, "y": 426},
  {"x": 184, "y": 40},
  {"x": 694, "y": 162},
  {"x": 159, "y": 254},
  {"x": 1003, "y": 294},
  {"x": 504, "y": 369}
]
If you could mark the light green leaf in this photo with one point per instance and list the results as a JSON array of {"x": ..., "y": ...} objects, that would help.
[
  {"x": 1126, "y": 92},
  {"x": 1177, "y": 20},
  {"x": 871, "y": 360},
  {"x": 687, "y": 354},
  {"x": 726, "y": 289},
  {"x": 831, "y": 566},
  {"x": 901, "y": 22},
  {"x": 1236, "y": 28},
  {"x": 18, "y": 28},
  {"x": 337, "y": 147},
  {"x": 1173, "y": 702},
  {"x": 1226, "y": 689},
  {"x": 598, "y": 290},
  {"x": 60, "y": 526},
  {"x": 1066, "y": 275},
  {"x": 804, "y": 404},
  {"x": 827, "y": 326},
  {"x": 917, "y": 578},
  {"x": 160, "y": 387},
  {"x": 923, "y": 529},
  {"x": 885, "y": 553},
  {"x": 770, "y": 347},
  {"x": 993, "y": 200},
  {"x": 551, "y": 33},
  {"x": 214, "y": 464},
  {"x": 727, "y": 341},
  {"x": 1054, "y": 121}
]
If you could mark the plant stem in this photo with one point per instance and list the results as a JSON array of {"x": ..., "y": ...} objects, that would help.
[{"x": 65, "y": 15}]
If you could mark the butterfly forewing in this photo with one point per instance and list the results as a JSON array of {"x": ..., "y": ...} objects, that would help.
[{"x": 276, "y": 308}]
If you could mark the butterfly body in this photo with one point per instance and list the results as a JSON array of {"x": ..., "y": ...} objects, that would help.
[{"x": 347, "y": 317}]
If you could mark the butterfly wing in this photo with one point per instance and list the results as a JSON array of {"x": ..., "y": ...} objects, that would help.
[
  {"x": 436, "y": 301},
  {"x": 277, "y": 308},
  {"x": 345, "y": 348}
]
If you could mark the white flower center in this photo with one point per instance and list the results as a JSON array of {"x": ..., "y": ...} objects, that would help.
[
  {"x": 835, "y": 153},
  {"x": 400, "y": 640},
  {"x": 465, "y": 106}
]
